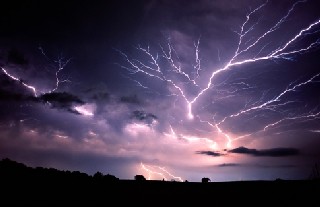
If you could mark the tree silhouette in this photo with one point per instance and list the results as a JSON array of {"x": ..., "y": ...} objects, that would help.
[
  {"x": 139, "y": 178},
  {"x": 98, "y": 175},
  {"x": 205, "y": 180}
]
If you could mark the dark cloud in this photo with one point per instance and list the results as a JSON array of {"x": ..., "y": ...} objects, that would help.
[
  {"x": 229, "y": 165},
  {"x": 273, "y": 152},
  {"x": 274, "y": 166},
  {"x": 210, "y": 153},
  {"x": 130, "y": 99},
  {"x": 253, "y": 165},
  {"x": 61, "y": 100},
  {"x": 6, "y": 95},
  {"x": 16, "y": 57},
  {"x": 5, "y": 82},
  {"x": 101, "y": 96},
  {"x": 143, "y": 116}
]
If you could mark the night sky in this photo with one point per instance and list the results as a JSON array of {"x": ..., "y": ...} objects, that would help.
[{"x": 180, "y": 90}]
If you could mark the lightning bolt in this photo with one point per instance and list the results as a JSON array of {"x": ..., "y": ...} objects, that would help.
[
  {"x": 162, "y": 172},
  {"x": 267, "y": 105},
  {"x": 211, "y": 144},
  {"x": 276, "y": 99},
  {"x": 229, "y": 138},
  {"x": 83, "y": 110},
  {"x": 276, "y": 54},
  {"x": 61, "y": 63},
  {"x": 309, "y": 116},
  {"x": 284, "y": 51},
  {"x": 248, "y": 50},
  {"x": 12, "y": 77},
  {"x": 153, "y": 69}
]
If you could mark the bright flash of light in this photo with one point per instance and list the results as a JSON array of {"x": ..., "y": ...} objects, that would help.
[
  {"x": 160, "y": 171},
  {"x": 62, "y": 136},
  {"x": 229, "y": 138},
  {"x": 86, "y": 109},
  {"x": 211, "y": 144}
]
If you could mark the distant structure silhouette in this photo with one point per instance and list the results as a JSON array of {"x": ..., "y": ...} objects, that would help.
[
  {"x": 139, "y": 178},
  {"x": 205, "y": 180}
]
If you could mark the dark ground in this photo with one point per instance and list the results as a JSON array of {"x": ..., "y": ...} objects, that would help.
[{"x": 25, "y": 186}]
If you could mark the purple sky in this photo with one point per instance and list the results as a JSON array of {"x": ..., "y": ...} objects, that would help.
[{"x": 169, "y": 89}]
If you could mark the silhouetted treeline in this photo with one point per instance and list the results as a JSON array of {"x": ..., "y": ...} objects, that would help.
[
  {"x": 25, "y": 186},
  {"x": 18, "y": 171}
]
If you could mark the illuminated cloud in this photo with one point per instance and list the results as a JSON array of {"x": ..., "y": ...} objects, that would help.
[{"x": 85, "y": 109}]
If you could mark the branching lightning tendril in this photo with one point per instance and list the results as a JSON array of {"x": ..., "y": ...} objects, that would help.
[
  {"x": 61, "y": 63},
  {"x": 159, "y": 171},
  {"x": 244, "y": 54}
]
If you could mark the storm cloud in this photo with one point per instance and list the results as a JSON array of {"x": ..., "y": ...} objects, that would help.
[
  {"x": 210, "y": 153},
  {"x": 273, "y": 152},
  {"x": 61, "y": 100}
]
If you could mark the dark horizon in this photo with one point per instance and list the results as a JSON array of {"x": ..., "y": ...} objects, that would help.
[
  {"x": 9, "y": 167},
  {"x": 47, "y": 186}
]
